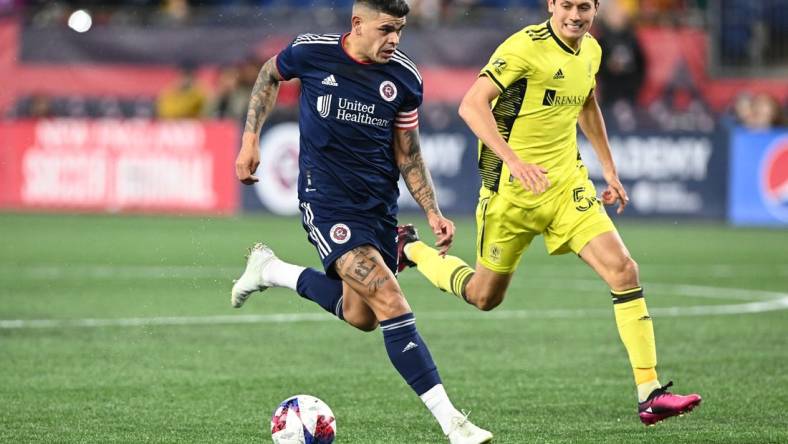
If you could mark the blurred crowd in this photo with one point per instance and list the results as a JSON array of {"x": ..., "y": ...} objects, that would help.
[
  {"x": 739, "y": 15},
  {"x": 186, "y": 98},
  {"x": 184, "y": 12},
  {"x": 621, "y": 75}
]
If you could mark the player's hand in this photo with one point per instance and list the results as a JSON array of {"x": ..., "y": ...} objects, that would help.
[
  {"x": 443, "y": 229},
  {"x": 533, "y": 177},
  {"x": 246, "y": 163},
  {"x": 615, "y": 192}
]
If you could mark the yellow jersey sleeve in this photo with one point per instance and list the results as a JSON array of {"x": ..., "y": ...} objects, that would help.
[
  {"x": 509, "y": 62},
  {"x": 596, "y": 58}
]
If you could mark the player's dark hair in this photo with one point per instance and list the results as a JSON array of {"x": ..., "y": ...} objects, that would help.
[
  {"x": 596, "y": 3},
  {"x": 394, "y": 8}
]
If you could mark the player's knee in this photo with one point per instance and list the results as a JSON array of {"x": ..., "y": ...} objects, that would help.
[
  {"x": 626, "y": 271},
  {"x": 360, "y": 317},
  {"x": 631, "y": 269},
  {"x": 365, "y": 325}
]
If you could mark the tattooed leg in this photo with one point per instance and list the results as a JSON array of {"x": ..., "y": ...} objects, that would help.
[{"x": 364, "y": 271}]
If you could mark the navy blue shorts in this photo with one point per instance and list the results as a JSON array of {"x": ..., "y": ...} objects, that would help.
[{"x": 334, "y": 234}]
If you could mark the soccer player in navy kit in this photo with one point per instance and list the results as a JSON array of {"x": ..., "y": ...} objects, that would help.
[{"x": 358, "y": 121}]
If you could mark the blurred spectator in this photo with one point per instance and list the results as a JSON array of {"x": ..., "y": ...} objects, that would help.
[
  {"x": 661, "y": 6},
  {"x": 143, "y": 108},
  {"x": 248, "y": 72},
  {"x": 182, "y": 101},
  {"x": 173, "y": 12},
  {"x": 623, "y": 66},
  {"x": 766, "y": 112},
  {"x": 759, "y": 112},
  {"x": 40, "y": 107},
  {"x": 629, "y": 6},
  {"x": 231, "y": 99},
  {"x": 426, "y": 12},
  {"x": 75, "y": 107},
  {"x": 742, "y": 109},
  {"x": 109, "y": 107}
]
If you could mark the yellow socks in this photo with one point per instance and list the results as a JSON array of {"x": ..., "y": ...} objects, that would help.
[
  {"x": 646, "y": 388},
  {"x": 448, "y": 273},
  {"x": 645, "y": 375},
  {"x": 637, "y": 334}
]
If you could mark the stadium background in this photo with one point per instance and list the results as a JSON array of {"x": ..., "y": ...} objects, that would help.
[
  {"x": 673, "y": 76},
  {"x": 122, "y": 224}
]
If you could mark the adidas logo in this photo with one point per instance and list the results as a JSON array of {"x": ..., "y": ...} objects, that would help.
[
  {"x": 558, "y": 75},
  {"x": 411, "y": 345},
  {"x": 330, "y": 81}
]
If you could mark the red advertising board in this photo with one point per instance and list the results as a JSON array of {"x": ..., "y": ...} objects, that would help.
[{"x": 118, "y": 166}]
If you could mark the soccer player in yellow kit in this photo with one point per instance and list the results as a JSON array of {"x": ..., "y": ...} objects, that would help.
[{"x": 524, "y": 108}]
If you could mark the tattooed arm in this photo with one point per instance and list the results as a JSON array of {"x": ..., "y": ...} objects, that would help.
[
  {"x": 264, "y": 93},
  {"x": 407, "y": 153}
]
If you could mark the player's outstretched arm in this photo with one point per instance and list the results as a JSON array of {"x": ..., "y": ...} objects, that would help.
[
  {"x": 261, "y": 103},
  {"x": 407, "y": 153},
  {"x": 593, "y": 125},
  {"x": 475, "y": 111}
]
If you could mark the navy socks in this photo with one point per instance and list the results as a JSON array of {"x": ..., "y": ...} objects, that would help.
[
  {"x": 406, "y": 350},
  {"x": 322, "y": 290},
  {"x": 409, "y": 353}
]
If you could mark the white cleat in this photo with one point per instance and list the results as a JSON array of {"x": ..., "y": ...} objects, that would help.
[
  {"x": 465, "y": 432},
  {"x": 260, "y": 255}
]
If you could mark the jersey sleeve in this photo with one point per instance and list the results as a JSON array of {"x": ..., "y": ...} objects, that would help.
[
  {"x": 509, "y": 62},
  {"x": 596, "y": 61},
  {"x": 408, "y": 113},
  {"x": 288, "y": 61}
]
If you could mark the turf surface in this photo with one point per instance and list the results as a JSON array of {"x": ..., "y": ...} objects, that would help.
[{"x": 138, "y": 342}]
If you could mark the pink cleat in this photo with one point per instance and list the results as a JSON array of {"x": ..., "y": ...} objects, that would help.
[
  {"x": 662, "y": 404},
  {"x": 405, "y": 235}
]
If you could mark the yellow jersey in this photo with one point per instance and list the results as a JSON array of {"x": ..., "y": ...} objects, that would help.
[{"x": 544, "y": 84}]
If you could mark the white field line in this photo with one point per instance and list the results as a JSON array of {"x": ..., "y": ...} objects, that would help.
[
  {"x": 650, "y": 288},
  {"x": 170, "y": 320},
  {"x": 777, "y": 301},
  {"x": 100, "y": 271}
]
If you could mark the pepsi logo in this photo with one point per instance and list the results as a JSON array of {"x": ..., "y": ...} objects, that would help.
[{"x": 774, "y": 178}]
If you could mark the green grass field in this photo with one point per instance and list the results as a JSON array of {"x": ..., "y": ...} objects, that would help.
[{"x": 137, "y": 341}]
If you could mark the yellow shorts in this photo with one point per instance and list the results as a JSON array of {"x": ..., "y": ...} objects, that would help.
[{"x": 568, "y": 223}]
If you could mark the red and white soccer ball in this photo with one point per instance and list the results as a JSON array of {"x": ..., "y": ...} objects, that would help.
[{"x": 303, "y": 419}]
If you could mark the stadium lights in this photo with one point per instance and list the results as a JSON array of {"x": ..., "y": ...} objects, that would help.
[{"x": 80, "y": 21}]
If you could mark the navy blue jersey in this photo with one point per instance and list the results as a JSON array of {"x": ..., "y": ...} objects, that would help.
[{"x": 348, "y": 114}]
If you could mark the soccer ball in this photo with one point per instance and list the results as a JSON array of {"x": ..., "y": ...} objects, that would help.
[{"x": 303, "y": 419}]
